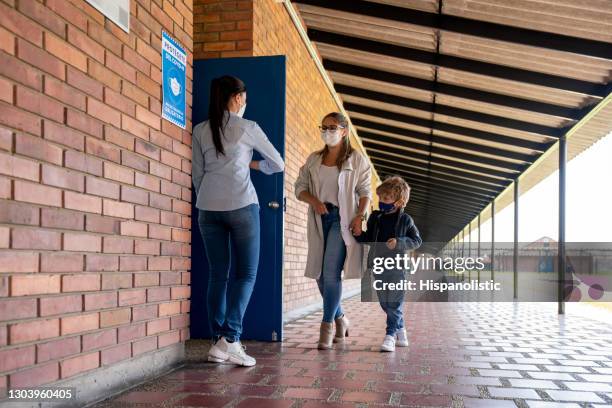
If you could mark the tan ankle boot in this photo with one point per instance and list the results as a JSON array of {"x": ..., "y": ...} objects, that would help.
[
  {"x": 326, "y": 336},
  {"x": 342, "y": 325}
]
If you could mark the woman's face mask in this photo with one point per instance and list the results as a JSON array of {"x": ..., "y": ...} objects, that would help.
[
  {"x": 331, "y": 137},
  {"x": 241, "y": 110},
  {"x": 243, "y": 107},
  {"x": 331, "y": 134}
]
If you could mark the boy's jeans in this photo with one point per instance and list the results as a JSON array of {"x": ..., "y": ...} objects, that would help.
[
  {"x": 392, "y": 301},
  {"x": 330, "y": 281},
  {"x": 226, "y": 305}
]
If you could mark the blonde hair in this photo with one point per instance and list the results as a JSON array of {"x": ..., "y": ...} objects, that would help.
[{"x": 396, "y": 187}]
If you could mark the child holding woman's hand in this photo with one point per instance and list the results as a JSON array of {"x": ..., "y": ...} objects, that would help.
[{"x": 392, "y": 226}]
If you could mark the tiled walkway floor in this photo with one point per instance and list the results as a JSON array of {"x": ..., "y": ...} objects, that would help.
[{"x": 461, "y": 355}]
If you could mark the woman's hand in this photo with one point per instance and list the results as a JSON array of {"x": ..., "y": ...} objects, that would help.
[
  {"x": 254, "y": 164},
  {"x": 318, "y": 206},
  {"x": 392, "y": 243},
  {"x": 355, "y": 226}
]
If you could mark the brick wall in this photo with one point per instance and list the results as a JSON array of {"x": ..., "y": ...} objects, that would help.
[
  {"x": 222, "y": 28},
  {"x": 94, "y": 189},
  {"x": 308, "y": 100}
]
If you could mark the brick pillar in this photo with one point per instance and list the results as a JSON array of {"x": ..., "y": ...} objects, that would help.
[
  {"x": 222, "y": 28},
  {"x": 94, "y": 191}
]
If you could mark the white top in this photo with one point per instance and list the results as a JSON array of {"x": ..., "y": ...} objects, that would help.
[
  {"x": 223, "y": 182},
  {"x": 355, "y": 181},
  {"x": 328, "y": 184}
]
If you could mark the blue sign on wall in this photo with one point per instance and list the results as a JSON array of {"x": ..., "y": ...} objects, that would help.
[{"x": 174, "y": 64}]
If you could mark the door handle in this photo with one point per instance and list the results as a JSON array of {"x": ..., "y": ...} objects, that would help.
[{"x": 274, "y": 205}]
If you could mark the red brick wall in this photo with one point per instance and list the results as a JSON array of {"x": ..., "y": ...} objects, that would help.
[
  {"x": 222, "y": 28},
  {"x": 94, "y": 189}
]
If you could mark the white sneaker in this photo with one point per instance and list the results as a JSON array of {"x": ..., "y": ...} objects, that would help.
[
  {"x": 388, "y": 344},
  {"x": 216, "y": 354},
  {"x": 225, "y": 352},
  {"x": 401, "y": 338}
]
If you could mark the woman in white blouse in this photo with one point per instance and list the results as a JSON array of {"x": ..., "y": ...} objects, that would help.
[
  {"x": 336, "y": 182},
  {"x": 228, "y": 210}
]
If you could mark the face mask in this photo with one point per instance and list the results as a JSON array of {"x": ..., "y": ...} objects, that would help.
[
  {"x": 331, "y": 138},
  {"x": 385, "y": 207},
  {"x": 241, "y": 110}
]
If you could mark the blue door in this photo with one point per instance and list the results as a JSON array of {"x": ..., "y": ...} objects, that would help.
[{"x": 264, "y": 78}]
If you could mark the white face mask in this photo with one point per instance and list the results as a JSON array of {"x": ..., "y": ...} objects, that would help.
[
  {"x": 331, "y": 137},
  {"x": 241, "y": 110}
]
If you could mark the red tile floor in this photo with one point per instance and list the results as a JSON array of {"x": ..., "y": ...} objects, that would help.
[{"x": 460, "y": 355}]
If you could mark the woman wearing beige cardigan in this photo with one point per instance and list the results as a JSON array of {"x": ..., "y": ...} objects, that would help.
[{"x": 336, "y": 183}]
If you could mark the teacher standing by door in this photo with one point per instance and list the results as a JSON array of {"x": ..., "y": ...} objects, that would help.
[
  {"x": 336, "y": 183},
  {"x": 228, "y": 210}
]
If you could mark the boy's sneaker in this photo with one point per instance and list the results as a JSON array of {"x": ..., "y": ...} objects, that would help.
[
  {"x": 388, "y": 344},
  {"x": 225, "y": 352},
  {"x": 401, "y": 338}
]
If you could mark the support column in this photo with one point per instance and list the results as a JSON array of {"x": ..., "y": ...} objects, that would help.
[
  {"x": 469, "y": 247},
  {"x": 493, "y": 240},
  {"x": 470, "y": 239},
  {"x": 457, "y": 251},
  {"x": 515, "y": 257},
  {"x": 463, "y": 250},
  {"x": 561, "y": 249},
  {"x": 478, "y": 247}
]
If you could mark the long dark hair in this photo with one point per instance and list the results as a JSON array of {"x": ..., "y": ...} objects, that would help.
[
  {"x": 347, "y": 148},
  {"x": 221, "y": 90}
]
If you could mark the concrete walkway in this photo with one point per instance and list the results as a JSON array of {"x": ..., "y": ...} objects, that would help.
[{"x": 461, "y": 355}]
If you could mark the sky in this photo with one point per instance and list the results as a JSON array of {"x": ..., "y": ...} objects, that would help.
[{"x": 588, "y": 205}]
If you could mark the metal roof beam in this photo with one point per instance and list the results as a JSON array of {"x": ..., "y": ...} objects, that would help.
[
  {"x": 449, "y": 141},
  {"x": 457, "y": 181},
  {"x": 460, "y": 183},
  {"x": 451, "y": 111},
  {"x": 444, "y": 203},
  {"x": 445, "y": 199},
  {"x": 396, "y": 154},
  {"x": 374, "y": 137},
  {"x": 454, "y": 90},
  {"x": 459, "y": 63},
  {"x": 437, "y": 169},
  {"x": 452, "y": 198},
  {"x": 444, "y": 186},
  {"x": 425, "y": 209},
  {"x": 449, "y": 203},
  {"x": 463, "y": 25},
  {"x": 421, "y": 214}
]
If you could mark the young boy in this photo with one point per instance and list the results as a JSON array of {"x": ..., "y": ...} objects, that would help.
[{"x": 396, "y": 230}]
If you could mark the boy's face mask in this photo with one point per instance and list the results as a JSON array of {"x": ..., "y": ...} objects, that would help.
[{"x": 386, "y": 207}]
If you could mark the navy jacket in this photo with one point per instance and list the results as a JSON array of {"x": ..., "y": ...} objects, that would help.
[{"x": 406, "y": 234}]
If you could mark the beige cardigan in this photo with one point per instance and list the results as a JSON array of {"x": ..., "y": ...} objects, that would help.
[{"x": 354, "y": 182}]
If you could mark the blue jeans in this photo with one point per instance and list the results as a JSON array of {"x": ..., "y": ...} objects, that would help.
[
  {"x": 228, "y": 302},
  {"x": 330, "y": 281},
  {"x": 392, "y": 301}
]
